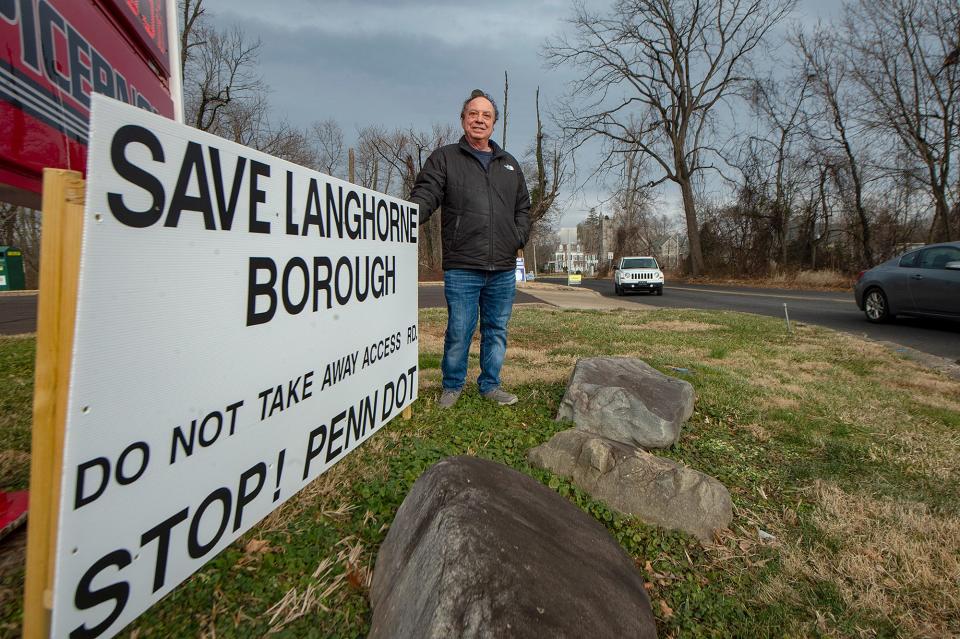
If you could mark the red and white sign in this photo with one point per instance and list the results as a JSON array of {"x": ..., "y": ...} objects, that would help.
[{"x": 54, "y": 55}]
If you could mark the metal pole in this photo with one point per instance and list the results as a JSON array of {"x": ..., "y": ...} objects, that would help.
[
  {"x": 600, "y": 256},
  {"x": 787, "y": 315},
  {"x": 173, "y": 53}
]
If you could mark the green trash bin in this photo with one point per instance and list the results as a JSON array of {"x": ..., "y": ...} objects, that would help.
[{"x": 11, "y": 269}]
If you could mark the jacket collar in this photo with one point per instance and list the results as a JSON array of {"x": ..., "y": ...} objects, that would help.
[{"x": 463, "y": 144}]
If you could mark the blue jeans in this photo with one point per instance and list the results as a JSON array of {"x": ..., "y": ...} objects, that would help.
[{"x": 467, "y": 291}]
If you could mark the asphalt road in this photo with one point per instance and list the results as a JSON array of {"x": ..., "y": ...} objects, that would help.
[
  {"x": 432, "y": 297},
  {"x": 18, "y": 314},
  {"x": 832, "y": 310}
]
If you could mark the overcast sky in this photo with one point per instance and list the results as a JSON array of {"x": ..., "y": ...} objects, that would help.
[{"x": 410, "y": 63}]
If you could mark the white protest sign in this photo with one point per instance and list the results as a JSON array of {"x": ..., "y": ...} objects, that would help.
[{"x": 243, "y": 323}]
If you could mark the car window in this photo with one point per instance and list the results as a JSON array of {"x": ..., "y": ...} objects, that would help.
[
  {"x": 910, "y": 260},
  {"x": 938, "y": 257},
  {"x": 639, "y": 262}
]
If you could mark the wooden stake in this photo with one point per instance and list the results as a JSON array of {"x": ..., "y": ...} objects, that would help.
[
  {"x": 62, "y": 206},
  {"x": 407, "y": 412}
]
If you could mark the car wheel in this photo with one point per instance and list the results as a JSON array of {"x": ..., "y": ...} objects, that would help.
[
  {"x": 659, "y": 291},
  {"x": 875, "y": 306},
  {"x": 617, "y": 289}
]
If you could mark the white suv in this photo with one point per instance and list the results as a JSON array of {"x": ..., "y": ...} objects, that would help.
[{"x": 638, "y": 273}]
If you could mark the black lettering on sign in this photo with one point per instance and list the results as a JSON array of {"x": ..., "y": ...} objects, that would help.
[
  {"x": 207, "y": 431},
  {"x": 192, "y": 167},
  {"x": 398, "y": 392},
  {"x": 257, "y": 289},
  {"x": 311, "y": 215},
  {"x": 315, "y": 443},
  {"x": 226, "y": 208},
  {"x": 280, "y": 401},
  {"x": 126, "y": 471},
  {"x": 257, "y": 196},
  {"x": 161, "y": 532},
  {"x": 125, "y": 136},
  {"x": 292, "y": 228},
  {"x": 194, "y": 546},
  {"x": 245, "y": 495},
  {"x": 335, "y": 433},
  {"x": 84, "y": 598}
]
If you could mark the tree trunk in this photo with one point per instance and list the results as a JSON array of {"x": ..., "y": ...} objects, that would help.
[
  {"x": 940, "y": 228},
  {"x": 693, "y": 229}
]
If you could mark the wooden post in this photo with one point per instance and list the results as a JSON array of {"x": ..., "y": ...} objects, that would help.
[
  {"x": 351, "y": 167},
  {"x": 407, "y": 412},
  {"x": 62, "y": 207}
]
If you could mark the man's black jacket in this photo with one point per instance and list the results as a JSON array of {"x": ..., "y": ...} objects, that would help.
[{"x": 485, "y": 213}]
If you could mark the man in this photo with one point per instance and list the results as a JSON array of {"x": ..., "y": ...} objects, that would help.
[{"x": 484, "y": 222}]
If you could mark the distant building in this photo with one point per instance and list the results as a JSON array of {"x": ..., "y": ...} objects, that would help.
[{"x": 672, "y": 251}]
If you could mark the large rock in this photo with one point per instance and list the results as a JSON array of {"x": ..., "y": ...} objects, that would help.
[
  {"x": 627, "y": 400},
  {"x": 658, "y": 491},
  {"x": 480, "y": 550}
]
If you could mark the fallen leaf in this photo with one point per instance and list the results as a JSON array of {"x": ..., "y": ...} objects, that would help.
[
  {"x": 257, "y": 546},
  {"x": 665, "y": 610}
]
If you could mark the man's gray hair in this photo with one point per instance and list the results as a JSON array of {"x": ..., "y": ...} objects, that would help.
[{"x": 478, "y": 93}]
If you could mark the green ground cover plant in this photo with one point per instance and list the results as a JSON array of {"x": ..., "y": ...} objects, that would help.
[{"x": 842, "y": 459}]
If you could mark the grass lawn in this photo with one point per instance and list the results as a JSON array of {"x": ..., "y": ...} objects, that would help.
[{"x": 848, "y": 455}]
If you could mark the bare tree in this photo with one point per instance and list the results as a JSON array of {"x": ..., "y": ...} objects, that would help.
[
  {"x": 506, "y": 98},
  {"x": 219, "y": 70},
  {"x": 896, "y": 49},
  {"x": 549, "y": 175},
  {"x": 833, "y": 85},
  {"x": 633, "y": 229},
  {"x": 327, "y": 138},
  {"x": 8, "y": 222},
  {"x": 653, "y": 72},
  {"x": 191, "y": 16},
  {"x": 223, "y": 75},
  {"x": 780, "y": 109}
]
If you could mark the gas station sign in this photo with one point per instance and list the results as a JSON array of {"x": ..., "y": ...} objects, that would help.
[{"x": 55, "y": 54}]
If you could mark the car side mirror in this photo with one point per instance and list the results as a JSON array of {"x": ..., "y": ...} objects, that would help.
[{"x": 953, "y": 266}]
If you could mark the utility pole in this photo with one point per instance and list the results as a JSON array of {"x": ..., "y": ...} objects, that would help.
[{"x": 601, "y": 253}]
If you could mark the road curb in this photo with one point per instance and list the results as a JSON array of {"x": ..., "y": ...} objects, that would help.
[{"x": 946, "y": 366}]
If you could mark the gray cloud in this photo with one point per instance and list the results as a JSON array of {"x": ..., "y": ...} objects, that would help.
[{"x": 410, "y": 63}]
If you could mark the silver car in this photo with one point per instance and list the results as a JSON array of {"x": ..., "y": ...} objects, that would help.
[{"x": 925, "y": 281}]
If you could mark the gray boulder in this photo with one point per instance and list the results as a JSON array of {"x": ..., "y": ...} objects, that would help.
[
  {"x": 627, "y": 400},
  {"x": 480, "y": 550},
  {"x": 658, "y": 491}
]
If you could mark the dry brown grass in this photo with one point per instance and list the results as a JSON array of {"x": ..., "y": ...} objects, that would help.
[
  {"x": 822, "y": 280},
  {"x": 778, "y": 401},
  {"x": 892, "y": 559},
  {"x": 672, "y": 325},
  {"x": 11, "y": 464},
  {"x": 328, "y": 587}
]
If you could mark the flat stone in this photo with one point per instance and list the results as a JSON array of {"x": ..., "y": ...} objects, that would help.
[
  {"x": 478, "y": 549},
  {"x": 627, "y": 400},
  {"x": 658, "y": 491}
]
